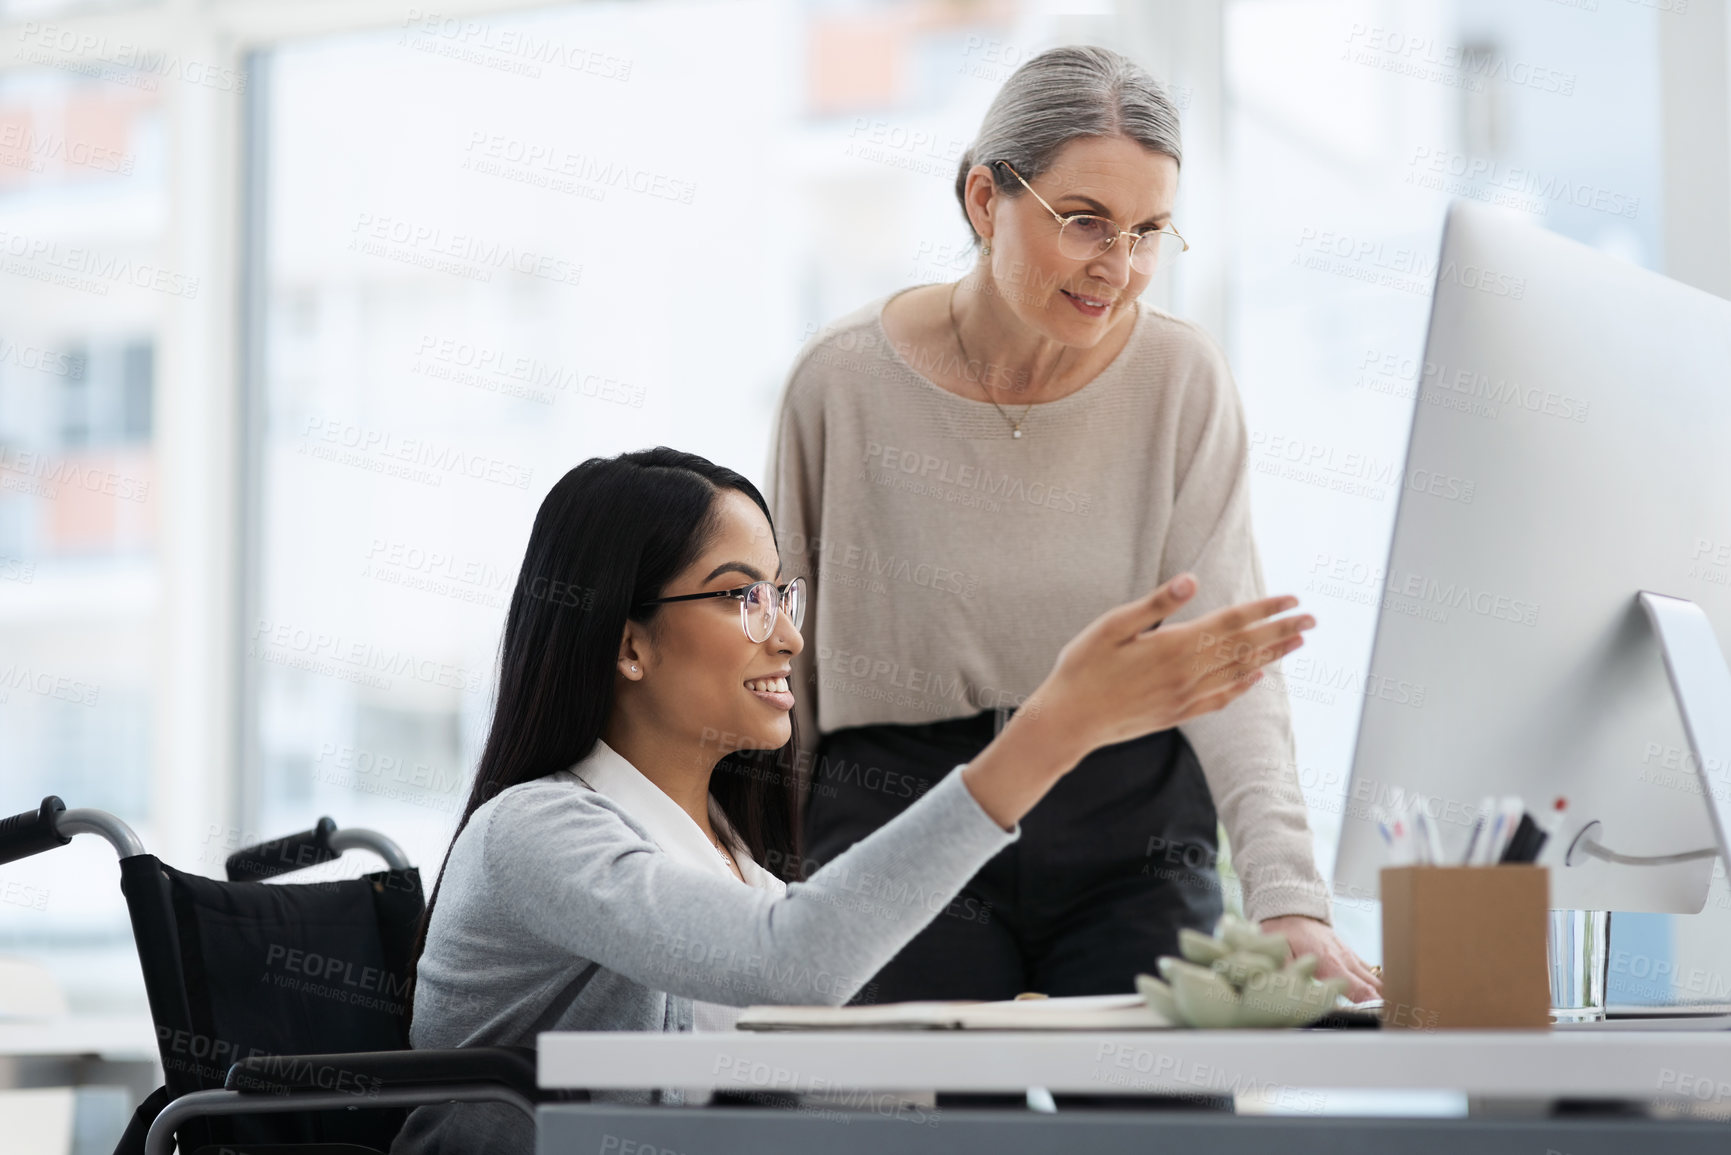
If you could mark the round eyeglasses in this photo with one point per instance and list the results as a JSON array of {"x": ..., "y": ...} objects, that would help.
[
  {"x": 759, "y": 602},
  {"x": 1085, "y": 236}
]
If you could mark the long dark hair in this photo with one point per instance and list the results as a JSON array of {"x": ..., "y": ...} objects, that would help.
[{"x": 609, "y": 536}]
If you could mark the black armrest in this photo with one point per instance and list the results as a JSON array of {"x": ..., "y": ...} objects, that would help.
[{"x": 364, "y": 1072}]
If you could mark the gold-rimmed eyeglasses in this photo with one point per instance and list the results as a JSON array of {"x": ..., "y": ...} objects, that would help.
[
  {"x": 1084, "y": 236},
  {"x": 759, "y": 602}
]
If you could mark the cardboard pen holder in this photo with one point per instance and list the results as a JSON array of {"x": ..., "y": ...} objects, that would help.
[{"x": 1464, "y": 946}]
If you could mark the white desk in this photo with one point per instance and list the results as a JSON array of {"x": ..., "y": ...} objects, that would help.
[
  {"x": 1294, "y": 1070},
  {"x": 1622, "y": 1064}
]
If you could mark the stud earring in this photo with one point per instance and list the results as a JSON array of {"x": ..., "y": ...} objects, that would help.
[{"x": 633, "y": 669}]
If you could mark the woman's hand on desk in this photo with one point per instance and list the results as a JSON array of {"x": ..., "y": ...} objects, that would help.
[
  {"x": 1309, "y": 936},
  {"x": 1121, "y": 678}
]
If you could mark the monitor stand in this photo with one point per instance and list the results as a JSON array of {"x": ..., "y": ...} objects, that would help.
[
  {"x": 1701, "y": 684},
  {"x": 1701, "y": 681}
]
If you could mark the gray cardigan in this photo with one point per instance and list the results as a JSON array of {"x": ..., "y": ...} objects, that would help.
[{"x": 557, "y": 911}]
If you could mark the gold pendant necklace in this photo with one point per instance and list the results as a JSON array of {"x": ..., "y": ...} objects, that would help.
[{"x": 1015, "y": 423}]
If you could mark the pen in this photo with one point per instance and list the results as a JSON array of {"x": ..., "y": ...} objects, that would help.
[
  {"x": 1478, "y": 830},
  {"x": 1493, "y": 836},
  {"x": 1389, "y": 826},
  {"x": 1511, "y": 817},
  {"x": 1432, "y": 842}
]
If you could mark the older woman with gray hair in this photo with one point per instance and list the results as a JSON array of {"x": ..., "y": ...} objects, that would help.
[{"x": 967, "y": 474}]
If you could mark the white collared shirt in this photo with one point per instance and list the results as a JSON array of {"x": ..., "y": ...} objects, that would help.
[{"x": 607, "y": 772}]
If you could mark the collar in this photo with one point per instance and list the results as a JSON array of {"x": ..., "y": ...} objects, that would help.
[{"x": 607, "y": 772}]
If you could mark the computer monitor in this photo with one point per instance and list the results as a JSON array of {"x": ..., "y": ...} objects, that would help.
[{"x": 1570, "y": 448}]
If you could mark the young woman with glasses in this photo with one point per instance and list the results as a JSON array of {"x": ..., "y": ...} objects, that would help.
[
  {"x": 971, "y": 471},
  {"x": 617, "y": 866}
]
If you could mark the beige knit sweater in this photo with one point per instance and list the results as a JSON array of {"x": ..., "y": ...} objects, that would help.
[{"x": 949, "y": 562}]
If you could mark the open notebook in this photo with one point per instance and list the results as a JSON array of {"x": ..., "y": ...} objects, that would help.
[{"x": 1085, "y": 1013}]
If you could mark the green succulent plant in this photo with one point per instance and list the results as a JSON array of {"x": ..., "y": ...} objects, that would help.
[{"x": 1240, "y": 977}]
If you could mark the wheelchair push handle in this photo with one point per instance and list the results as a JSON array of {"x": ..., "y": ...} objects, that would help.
[
  {"x": 33, "y": 831},
  {"x": 309, "y": 848},
  {"x": 282, "y": 855}
]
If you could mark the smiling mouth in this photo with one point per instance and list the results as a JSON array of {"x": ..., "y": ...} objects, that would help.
[
  {"x": 1091, "y": 302},
  {"x": 771, "y": 691}
]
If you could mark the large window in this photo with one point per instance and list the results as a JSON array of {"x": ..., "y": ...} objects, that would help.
[
  {"x": 85, "y": 288},
  {"x": 493, "y": 249},
  {"x": 257, "y": 531}
]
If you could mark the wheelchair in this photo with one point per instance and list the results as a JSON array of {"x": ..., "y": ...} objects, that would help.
[{"x": 281, "y": 1011}]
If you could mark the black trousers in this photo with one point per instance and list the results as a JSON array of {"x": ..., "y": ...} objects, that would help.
[{"x": 1110, "y": 864}]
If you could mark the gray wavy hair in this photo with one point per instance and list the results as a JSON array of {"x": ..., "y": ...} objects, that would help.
[{"x": 1058, "y": 96}]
